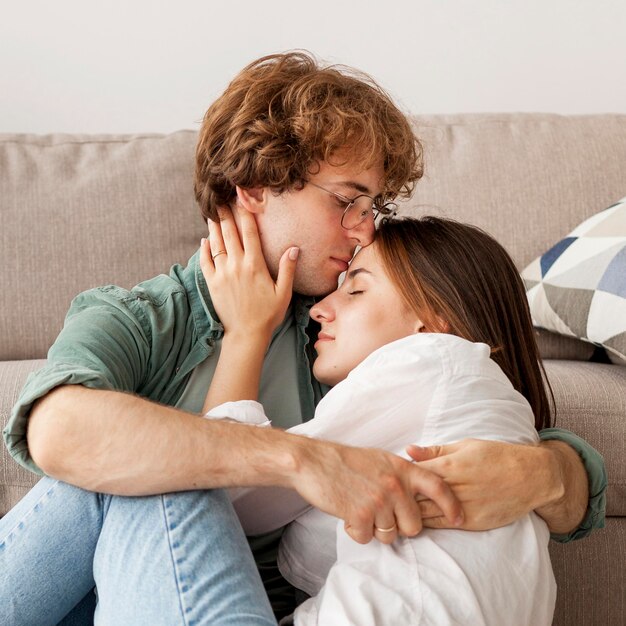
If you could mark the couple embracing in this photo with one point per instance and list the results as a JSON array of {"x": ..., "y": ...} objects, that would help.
[{"x": 427, "y": 341}]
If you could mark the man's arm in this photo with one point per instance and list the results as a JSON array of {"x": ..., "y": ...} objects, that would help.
[
  {"x": 565, "y": 513},
  {"x": 499, "y": 482},
  {"x": 120, "y": 443}
]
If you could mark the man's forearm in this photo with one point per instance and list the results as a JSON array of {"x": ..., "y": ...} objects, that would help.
[
  {"x": 567, "y": 510},
  {"x": 118, "y": 443},
  {"x": 122, "y": 444}
]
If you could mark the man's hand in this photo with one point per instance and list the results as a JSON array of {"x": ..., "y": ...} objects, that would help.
[
  {"x": 497, "y": 483},
  {"x": 370, "y": 489}
]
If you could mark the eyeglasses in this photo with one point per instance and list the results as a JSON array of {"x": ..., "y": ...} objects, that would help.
[{"x": 357, "y": 210}]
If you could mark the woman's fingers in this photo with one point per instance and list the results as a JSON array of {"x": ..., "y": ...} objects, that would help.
[
  {"x": 206, "y": 262},
  {"x": 229, "y": 233},
  {"x": 236, "y": 239},
  {"x": 429, "y": 509},
  {"x": 243, "y": 291},
  {"x": 215, "y": 237},
  {"x": 286, "y": 272},
  {"x": 249, "y": 232}
]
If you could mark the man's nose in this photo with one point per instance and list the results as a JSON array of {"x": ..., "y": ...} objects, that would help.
[{"x": 363, "y": 234}]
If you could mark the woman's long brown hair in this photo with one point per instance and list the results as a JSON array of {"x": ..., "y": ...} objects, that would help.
[{"x": 457, "y": 274}]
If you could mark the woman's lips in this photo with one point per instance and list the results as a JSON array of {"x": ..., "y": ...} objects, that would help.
[
  {"x": 343, "y": 265},
  {"x": 323, "y": 338}
]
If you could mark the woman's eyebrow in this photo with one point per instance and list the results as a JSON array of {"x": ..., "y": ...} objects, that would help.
[{"x": 356, "y": 271}]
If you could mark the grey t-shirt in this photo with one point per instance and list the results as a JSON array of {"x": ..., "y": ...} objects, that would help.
[{"x": 278, "y": 391}]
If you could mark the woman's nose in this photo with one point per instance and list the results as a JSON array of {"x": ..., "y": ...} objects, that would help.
[{"x": 321, "y": 312}]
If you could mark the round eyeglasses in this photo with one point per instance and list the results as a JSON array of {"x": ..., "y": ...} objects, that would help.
[{"x": 357, "y": 210}]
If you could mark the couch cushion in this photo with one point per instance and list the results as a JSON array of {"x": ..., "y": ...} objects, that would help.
[
  {"x": 82, "y": 211},
  {"x": 553, "y": 346},
  {"x": 591, "y": 401},
  {"x": 591, "y": 578},
  {"x": 578, "y": 286}
]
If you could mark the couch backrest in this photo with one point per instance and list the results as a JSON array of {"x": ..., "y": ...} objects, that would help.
[
  {"x": 80, "y": 211},
  {"x": 528, "y": 179}
]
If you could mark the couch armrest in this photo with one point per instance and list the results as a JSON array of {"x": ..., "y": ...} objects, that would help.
[{"x": 15, "y": 481}]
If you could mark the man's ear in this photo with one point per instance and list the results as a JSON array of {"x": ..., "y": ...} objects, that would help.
[{"x": 253, "y": 200}]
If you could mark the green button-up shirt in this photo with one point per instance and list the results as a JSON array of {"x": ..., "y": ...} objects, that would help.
[{"x": 149, "y": 340}]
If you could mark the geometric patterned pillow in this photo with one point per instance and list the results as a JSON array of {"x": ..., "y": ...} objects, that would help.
[{"x": 578, "y": 287}]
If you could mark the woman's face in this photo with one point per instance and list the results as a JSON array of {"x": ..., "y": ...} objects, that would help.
[{"x": 364, "y": 314}]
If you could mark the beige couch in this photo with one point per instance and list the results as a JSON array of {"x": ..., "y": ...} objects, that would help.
[{"x": 80, "y": 211}]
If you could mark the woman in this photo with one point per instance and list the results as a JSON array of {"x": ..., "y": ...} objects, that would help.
[{"x": 428, "y": 340}]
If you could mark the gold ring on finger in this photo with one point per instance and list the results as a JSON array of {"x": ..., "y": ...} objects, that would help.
[
  {"x": 218, "y": 253},
  {"x": 385, "y": 530}
]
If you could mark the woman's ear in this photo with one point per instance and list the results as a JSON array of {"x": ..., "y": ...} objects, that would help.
[
  {"x": 253, "y": 199},
  {"x": 419, "y": 327},
  {"x": 439, "y": 326}
]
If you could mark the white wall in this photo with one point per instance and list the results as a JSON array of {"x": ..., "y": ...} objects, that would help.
[{"x": 153, "y": 65}]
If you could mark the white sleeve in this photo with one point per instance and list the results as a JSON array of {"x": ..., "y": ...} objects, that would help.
[{"x": 243, "y": 411}]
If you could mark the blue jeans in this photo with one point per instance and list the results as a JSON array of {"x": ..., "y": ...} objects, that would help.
[{"x": 179, "y": 558}]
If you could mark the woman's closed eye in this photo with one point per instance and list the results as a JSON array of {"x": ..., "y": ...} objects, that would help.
[{"x": 355, "y": 293}]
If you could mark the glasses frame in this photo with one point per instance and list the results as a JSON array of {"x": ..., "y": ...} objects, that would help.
[{"x": 388, "y": 209}]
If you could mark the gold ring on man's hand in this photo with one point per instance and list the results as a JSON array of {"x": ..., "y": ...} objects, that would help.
[{"x": 385, "y": 530}]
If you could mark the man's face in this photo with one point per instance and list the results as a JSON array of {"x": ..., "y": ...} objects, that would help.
[{"x": 310, "y": 218}]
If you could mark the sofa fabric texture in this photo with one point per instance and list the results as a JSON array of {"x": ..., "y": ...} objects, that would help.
[{"x": 82, "y": 211}]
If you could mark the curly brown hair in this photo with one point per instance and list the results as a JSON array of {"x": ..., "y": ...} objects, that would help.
[{"x": 284, "y": 113}]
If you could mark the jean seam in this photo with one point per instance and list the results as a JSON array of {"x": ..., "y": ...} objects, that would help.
[
  {"x": 30, "y": 512},
  {"x": 174, "y": 564}
]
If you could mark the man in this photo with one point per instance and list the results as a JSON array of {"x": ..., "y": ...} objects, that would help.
[{"x": 129, "y": 502}]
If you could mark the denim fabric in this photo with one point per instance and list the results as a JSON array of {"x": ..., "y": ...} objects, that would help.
[{"x": 178, "y": 558}]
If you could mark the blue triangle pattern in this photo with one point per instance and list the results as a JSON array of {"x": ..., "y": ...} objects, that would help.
[
  {"x": 614, "y": 278},
  {"x": 548, "y": 259}
]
